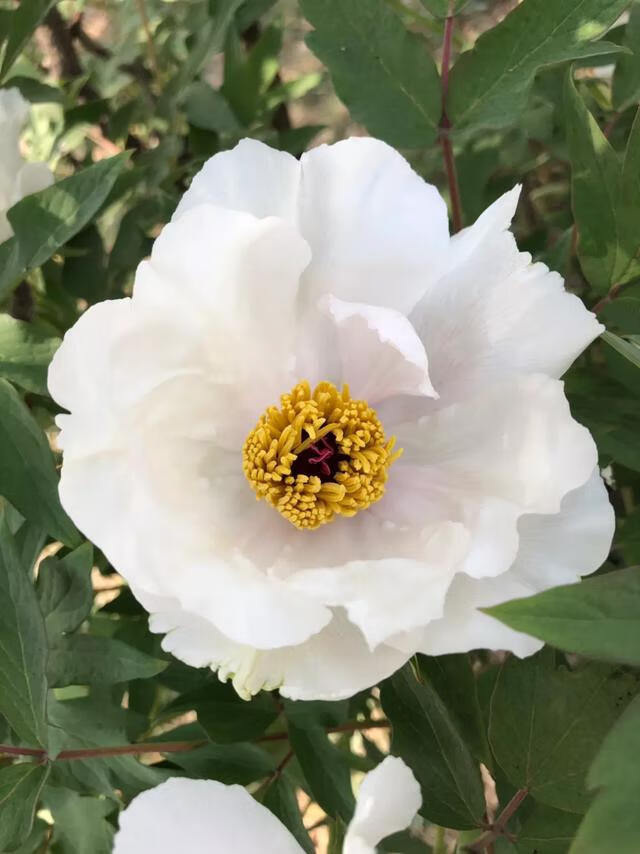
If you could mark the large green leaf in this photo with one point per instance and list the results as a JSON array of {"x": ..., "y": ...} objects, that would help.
[
  {"x": 606, "y": 247},
  {"x": 599, "y": 617},
  {"x": 280, "y": 798},
  {"x": 544, "y": 830},
  {"x": 21, "y": 24},
  {"x": 20, "y": 787},
  {"x": 324, "y": 768},
  {"x": 453, "y": 679},
  {"x": 45, "y": 221},
  {"x": 613, "y": 821},
  {"x": 80, "y": 825},
  {"x": 28, "y": 476},
  {"x": 548, "y": 723},
  {"x": 25, "y": 353},
  {"x": 490, "y": 84},
  {"x": 626, "y": 80},
  {"x": 384, "y": 74},
  {"x": 240, "y": 763},
  {"x": 224, "y": 715},
  {"x": 427, "y": 738},
  {"x": 64, "y": 590},
  {"x": 90, "y": 660},
  {"x": 23, "y": 647}
]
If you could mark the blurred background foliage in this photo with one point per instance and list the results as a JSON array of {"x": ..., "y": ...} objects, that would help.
[{"x": 130, "y": 97}]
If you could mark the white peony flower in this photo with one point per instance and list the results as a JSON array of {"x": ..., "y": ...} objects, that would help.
[
  {"x": 198, "y": 815},
  {"x": 322, "y": 432},
  {"x": 17, "y": 178}
]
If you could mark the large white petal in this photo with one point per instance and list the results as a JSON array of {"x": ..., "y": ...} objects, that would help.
[
  {"x": 252, "y": 177},
  {"x": 554, "y": 549},
  {"x": 495, "y": 313},
  {"x": 387, "y": 802},
  {"x": 378, "y": 233},
  {"x": 239, "y": 275},
  {"x": 199, "y": 816}
]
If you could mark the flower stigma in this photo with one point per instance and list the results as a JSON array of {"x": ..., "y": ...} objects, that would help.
[{"x": 319, "y": 455}]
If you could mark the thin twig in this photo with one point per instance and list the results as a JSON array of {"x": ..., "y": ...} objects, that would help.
[
  {"x": 146, "y": 26},
  {"x": 499, "y": 826},
  {"x": 445, "y": 125}
]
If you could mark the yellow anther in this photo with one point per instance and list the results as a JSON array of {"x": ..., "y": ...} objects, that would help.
[{"x": 321, "y": 454}]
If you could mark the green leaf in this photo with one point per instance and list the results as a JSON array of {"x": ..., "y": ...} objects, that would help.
[
  {"x": 20, "y": 787},
  {"x": 34, "y": 90},
  {"x": 10, "y": 266},
  {"x": 80, "y": 825},
  {"x": 224, "y": 715},
  {"x": 427, "y": 738},
  {"x": 383, "y": 73},
  {"x": 64, "y": 590},
  {"x": 599, "y": 617},
  {"x": 23, "y": 647},
  {"x": 547, "y": 724},
  {"x": 246, "y": 82},
  {"x": 240, "y": 763},
  {"x": 613, "y": 821},
  {"x": 90, "y": 660},
  {"x": 28, "y": 477},
  {"x": 280, "y": 799},
  {"x": 490, "y": 84},
  {"x": 21, "y": 23},
  {"x": 324, "y": 768},
  {"x": 88, "y": 723},
  {"x": 25, "y": 353},
  {"x": 623, "y": 314},
  {"x": 626, "y": 79},
  {"x": 451, "y": 676},
  {"x": 45, "y": 221},
  {"x": 605, "y": 247},
  {"x": 629, "y": 349},
  {"x": 208, "y": 109}
]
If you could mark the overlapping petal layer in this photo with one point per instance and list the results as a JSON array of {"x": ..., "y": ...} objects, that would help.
[{"x": 337, "y": 268}]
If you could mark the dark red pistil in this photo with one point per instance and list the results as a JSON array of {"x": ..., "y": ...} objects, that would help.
[{"x": 321, "y": 459}]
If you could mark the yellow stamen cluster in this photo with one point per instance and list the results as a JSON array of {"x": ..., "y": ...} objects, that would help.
[{"x": 304, "y": 418}]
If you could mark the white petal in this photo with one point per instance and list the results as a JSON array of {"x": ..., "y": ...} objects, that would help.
[
  {"x": 251, "y": 177},
  {"x": 495, "y": 313},
  {"x": 378, "y": 233},
  {"x": 554, "y": 549},
  {"x": 383, "y": 597},
  {"x": 515, "y": 441},
  {"x": 239, "y": 275},
  {"x": 380, "y": 352},
  {"x": 199, "y": 816},
  {"x": 334, "y": 664},
  {"x": 387, "y": 803}
]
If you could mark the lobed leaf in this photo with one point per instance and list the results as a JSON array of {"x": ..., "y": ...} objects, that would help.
[
  {"x": 383, "y": 73},
  {"x": 490, "y": 84},
  {"x": 23, "y": 647}
]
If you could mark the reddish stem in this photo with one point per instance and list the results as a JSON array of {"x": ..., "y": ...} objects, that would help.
[
  {"x": 445, "y": 126},
  {"x": 166, "y": 746},
  {"x": 499, "y": 827}
]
